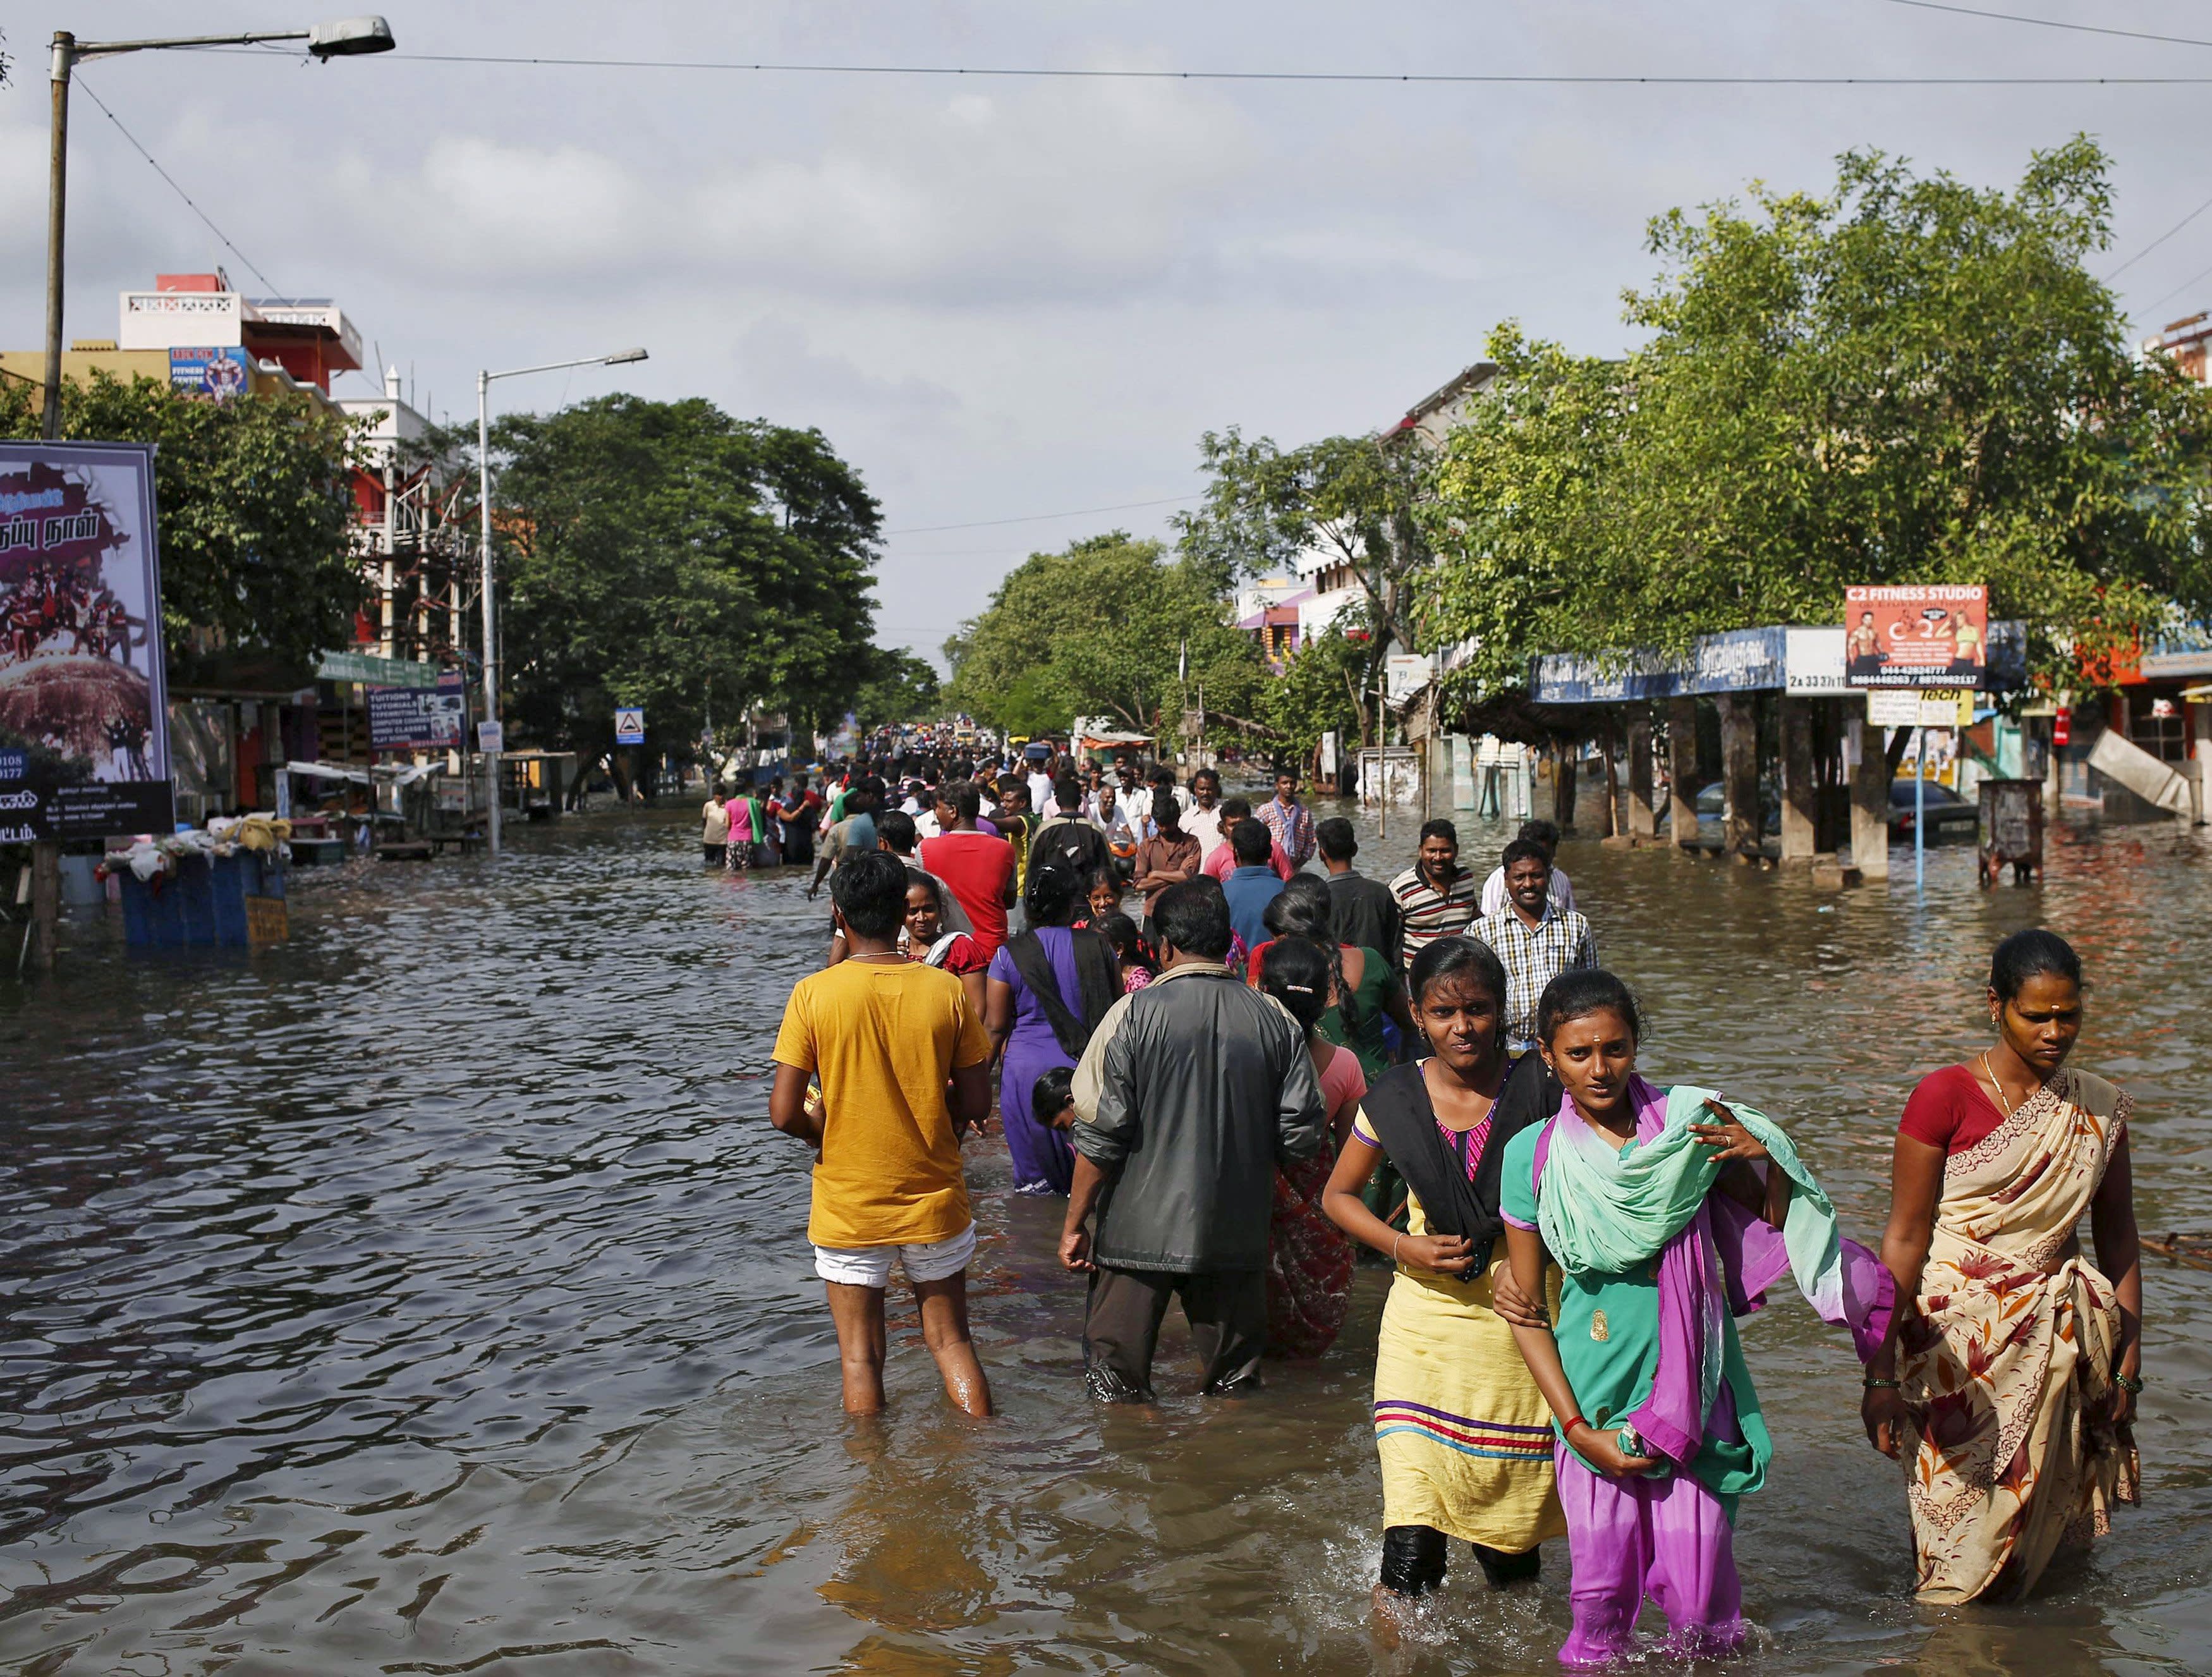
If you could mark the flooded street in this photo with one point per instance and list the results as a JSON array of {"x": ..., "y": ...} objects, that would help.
[{"x": 431, "y": 1295}]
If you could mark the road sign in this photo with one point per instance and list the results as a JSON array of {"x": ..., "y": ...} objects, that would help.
[
  {"x": 490, "y": 737},
  {"x": 629, "y": 726}
]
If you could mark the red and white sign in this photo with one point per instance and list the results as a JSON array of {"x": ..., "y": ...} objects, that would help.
[{"x": 1916, "y": 636}]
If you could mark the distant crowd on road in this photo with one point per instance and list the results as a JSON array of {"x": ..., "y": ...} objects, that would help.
[{"x": 1243, "y": 1063}]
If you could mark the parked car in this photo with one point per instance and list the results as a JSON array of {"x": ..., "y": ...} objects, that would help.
[
  {"x": 1948, "y": 814},
  {"x": 1713, "y": 809}
]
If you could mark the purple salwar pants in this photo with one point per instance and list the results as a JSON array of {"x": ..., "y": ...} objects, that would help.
[{"x": 1668, "y": 1538}]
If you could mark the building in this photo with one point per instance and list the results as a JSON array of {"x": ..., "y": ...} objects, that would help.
[{"x": 234, "y": 723}]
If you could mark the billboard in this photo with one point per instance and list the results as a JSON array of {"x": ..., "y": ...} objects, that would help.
[
  {"x": 1917, "y": 635},
  {"x": 402, "y": 719},
  {"x": 83, "y": 711},
  {"x": 1743, "y": 661},
  {"x": 218, "y": 370}
]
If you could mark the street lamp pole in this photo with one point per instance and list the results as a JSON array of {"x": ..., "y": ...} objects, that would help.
[
  {"x": 484, "y": 377},
  {"x": 348, "y": 38}
]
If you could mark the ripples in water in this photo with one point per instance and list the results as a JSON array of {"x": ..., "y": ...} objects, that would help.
[{"x": 430, "y": 1295}]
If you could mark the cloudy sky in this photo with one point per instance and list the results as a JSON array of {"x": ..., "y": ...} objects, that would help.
[{"x": 1002, "y": 297}]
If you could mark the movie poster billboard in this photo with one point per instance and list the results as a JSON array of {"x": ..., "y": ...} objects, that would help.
[
  {"x": 1917, "y": 635},
  {"x": 402, "y": 719},
  {"x": 84, "y": 747}
]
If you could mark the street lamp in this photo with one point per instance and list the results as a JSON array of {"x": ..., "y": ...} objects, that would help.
[
  {"x": 346, "y": 38},
  {"x": 484, "y": 499}
]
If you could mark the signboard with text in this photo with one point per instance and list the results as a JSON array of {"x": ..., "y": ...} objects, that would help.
[
  {"x": 84, "y": 738},
  {"x": 403, "y": 719},
  {"x": 629, "y": 725},
  {"x": 219, "y": 370},
  {"x": 1917, "y": 635},
  {"x": 1921, "y": 707}
]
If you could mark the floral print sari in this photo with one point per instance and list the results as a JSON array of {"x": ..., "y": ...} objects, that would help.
[{"x": 2007, "y": 1365}]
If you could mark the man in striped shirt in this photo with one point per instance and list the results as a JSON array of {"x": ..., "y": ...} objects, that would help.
[
  {"x": 1436, "y": 896},
  {"x": 1536, "y": 938}
]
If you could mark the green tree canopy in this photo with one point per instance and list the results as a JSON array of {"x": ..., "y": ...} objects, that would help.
[
  {"x": 900, "y": 688},
  {"x": 1097, "y": 630},
  {"x": 1353, "y": 502},
  {"x": 254, "y": 510},
  {"x": 1908, "y": 381},
  {"x": 665, "y": 555}
]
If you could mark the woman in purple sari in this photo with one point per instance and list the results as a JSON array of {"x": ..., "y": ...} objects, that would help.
[{"x": 1046, "y": 993}]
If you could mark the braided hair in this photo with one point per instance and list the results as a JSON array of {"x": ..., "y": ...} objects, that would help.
[{"x": 1301, "y": 909}]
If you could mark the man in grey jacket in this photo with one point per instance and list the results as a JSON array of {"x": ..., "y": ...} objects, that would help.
[{"x": 1191, "y": 1093}]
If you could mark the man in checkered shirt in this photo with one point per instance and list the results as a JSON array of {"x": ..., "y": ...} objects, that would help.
[{"x": 1536, "y": 940}]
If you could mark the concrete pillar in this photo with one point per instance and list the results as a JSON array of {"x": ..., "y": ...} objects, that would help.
[
  {"x": 1616, "y": 822},
  {"x": 1740, "y": 775},
  {"x": 2200, "y": 713},
  {"x": 1797, "y": 793},
  {"x": 1565, "y": 770},
  {"x": 1683, "y": 770},
  {"x": 1869, "y": 796},
  {"x": 1642, "y": 824}
]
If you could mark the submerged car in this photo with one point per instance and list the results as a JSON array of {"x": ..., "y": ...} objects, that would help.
[{"x": 1948, "y": 815}]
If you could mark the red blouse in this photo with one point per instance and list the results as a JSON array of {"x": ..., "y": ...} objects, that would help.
[{"x": 1951, "y": 1109}]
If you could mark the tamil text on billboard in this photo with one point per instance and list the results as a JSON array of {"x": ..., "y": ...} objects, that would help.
[
  {"x": 83, "y": 716},
  {"x": 1917, "y": 635}
]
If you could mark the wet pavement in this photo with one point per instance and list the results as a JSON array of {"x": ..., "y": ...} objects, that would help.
[{"x": 430, "y": 1294}]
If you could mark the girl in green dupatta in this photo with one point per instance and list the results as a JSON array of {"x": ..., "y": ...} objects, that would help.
[{"x": 1659, "y": 1429}]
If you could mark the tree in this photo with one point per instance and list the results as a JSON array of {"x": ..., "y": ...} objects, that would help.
[
  {"x": 1347, "y": 502},
  {"x": 254, "y": 510},
  {"x": 662, "y": 554},
  {"x": 1097, "y": 630},
  {"x": 1908, "y": 381},
  {"x": 901, "y": 688}
]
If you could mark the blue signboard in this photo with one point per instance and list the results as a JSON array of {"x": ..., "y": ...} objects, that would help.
[
  {"x": 629, "y": 725},
  {"x": 1744, "y": 660},
  {"x": 221, "y": 371}
]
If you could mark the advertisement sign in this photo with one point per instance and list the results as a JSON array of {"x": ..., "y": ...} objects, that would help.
[
  {"x": 217, "y": 370},
  {"x": 84, "y": 713},
  {"x": 1813, "y": 662},
  {"x": 1921, "y": 707},
  {"x": 1744, "y": 660},
  {"x": 371, "y": 670},
  {"x": 629, "y": 726},
  {"x": 402, "y": 719},
  {"x": 490, "y": 737},
  {"x": 1916, "y": 636}
]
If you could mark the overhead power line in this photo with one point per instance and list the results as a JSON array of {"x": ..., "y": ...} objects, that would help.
[
  {"x": 1040, "y": 518},
  {"x": 2049, "y": 23},
  {"x": 2160, "y": 240},
  {"x": 85, "y": 87},
  {"x": 1411, "y": 78}
]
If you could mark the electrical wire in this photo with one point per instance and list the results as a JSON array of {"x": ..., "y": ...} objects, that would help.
[
  {"x": 273, "y": 288},
  {"x": 2159, "y": 302},
  {"x": 1343, "y": 76},
  {"x": 2049, "y": 23},
  {"x": 1040, "y": 518},
  {"x": 2156, "y": 242}
]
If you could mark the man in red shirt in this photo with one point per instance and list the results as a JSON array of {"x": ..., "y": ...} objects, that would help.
[
  {"x": 979, "y": 866},
  {"x": 1222, "y": 861}
]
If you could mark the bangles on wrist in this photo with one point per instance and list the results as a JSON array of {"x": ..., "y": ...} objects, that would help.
[
  {"x": 2130, "y": 1383},
  {"x": 1883, "y": 1385}
]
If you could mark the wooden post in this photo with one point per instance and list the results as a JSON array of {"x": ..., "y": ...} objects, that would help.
[
  {"x": 1615, "y": 823},
  {"x": 46, "y": 902},
  {"x": 1869, "y": 794},
  {"x": 1797, "y": 835},
  {"x": 1682, "y": 771},
  {"x": 1740, "y": 774},
  {"x": 1642, "y": 823}
]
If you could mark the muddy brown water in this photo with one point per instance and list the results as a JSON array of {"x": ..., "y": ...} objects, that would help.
[{"x": 430, "y": 1295}]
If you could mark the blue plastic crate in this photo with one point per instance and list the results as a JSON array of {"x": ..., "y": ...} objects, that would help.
[{"x": 201, "y": 903}]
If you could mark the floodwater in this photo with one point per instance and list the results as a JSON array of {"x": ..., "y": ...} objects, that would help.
[{"x": 430, "y": 1295}]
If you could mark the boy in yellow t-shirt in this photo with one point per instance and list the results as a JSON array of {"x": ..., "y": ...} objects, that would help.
[{"x": 885, "y": 1036}]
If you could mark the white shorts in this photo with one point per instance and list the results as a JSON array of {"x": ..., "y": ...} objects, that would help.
[{"x": 870, "y": 1266}]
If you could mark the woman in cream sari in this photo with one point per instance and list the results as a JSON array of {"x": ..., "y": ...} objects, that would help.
[{"x": 2007, "y": 1388}]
